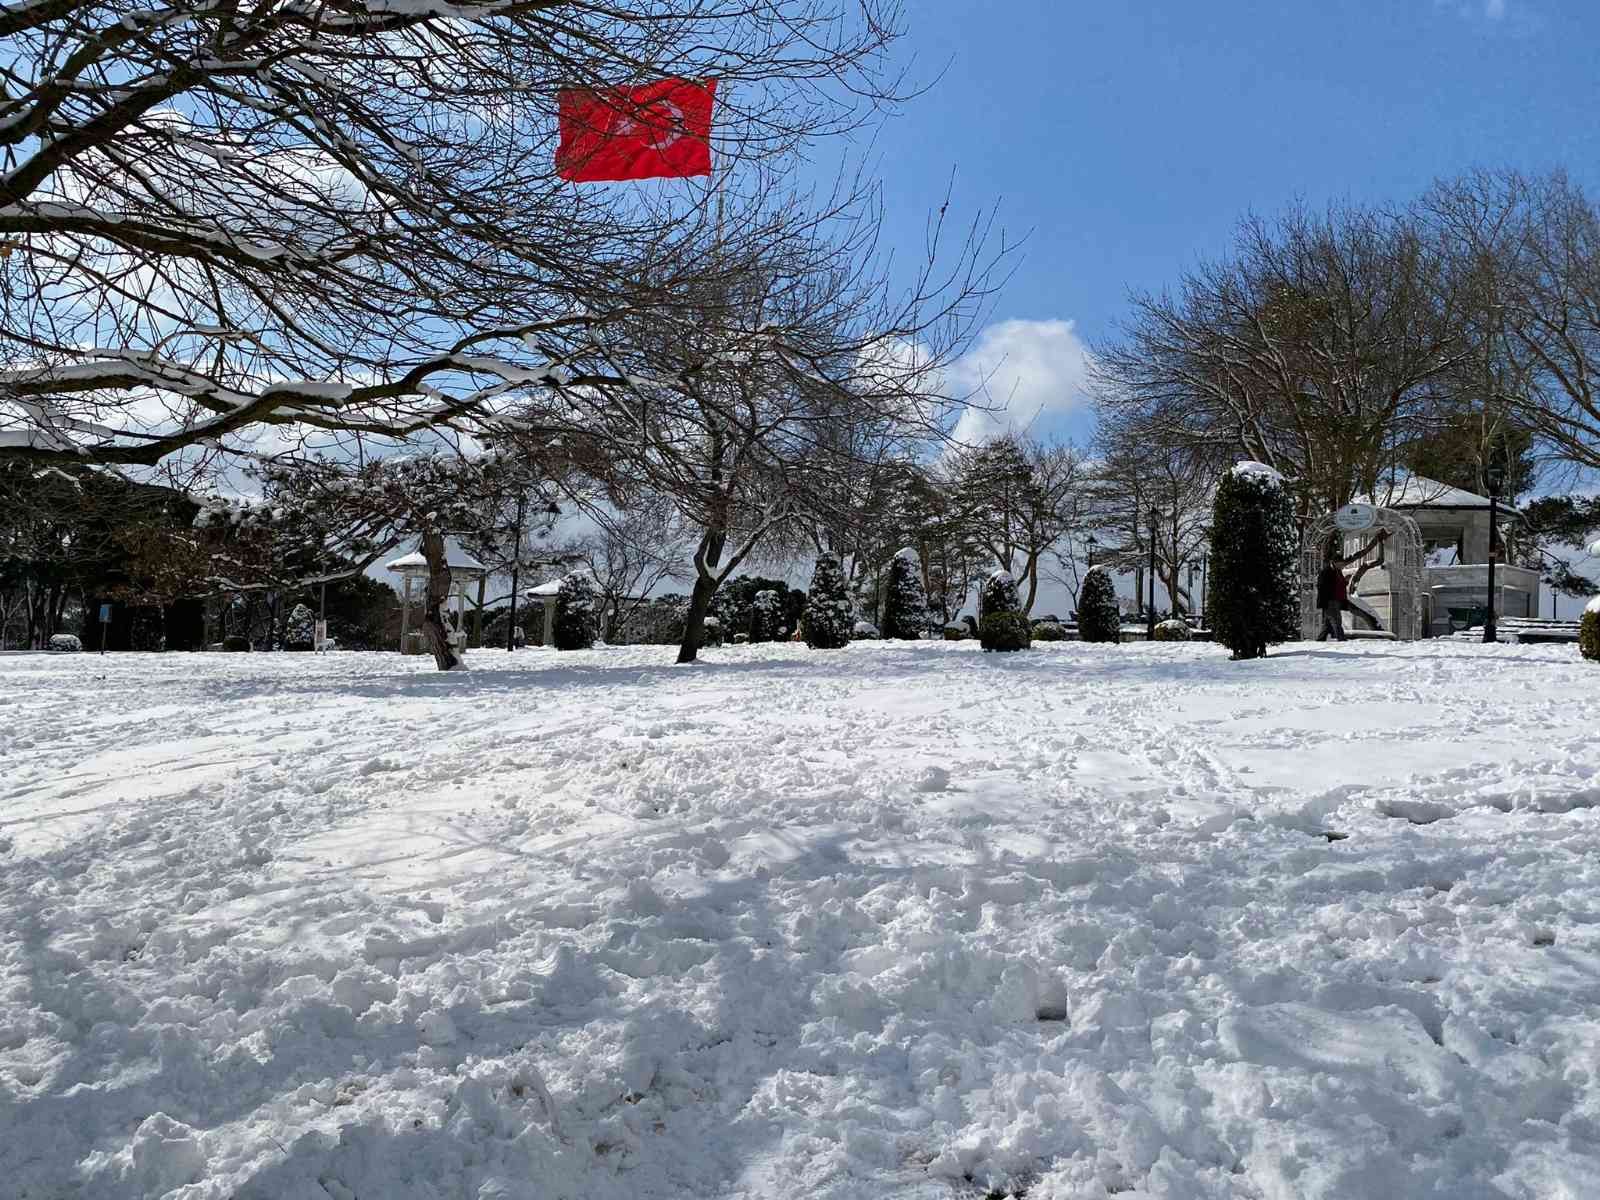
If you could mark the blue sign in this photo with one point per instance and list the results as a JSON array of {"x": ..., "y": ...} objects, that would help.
[{"x": 105, "y": 614}]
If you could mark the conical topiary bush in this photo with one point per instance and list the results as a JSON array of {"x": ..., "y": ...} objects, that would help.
[
  {"x": 1099, "y": 618},
  {"x": 905, "y": 604},
  {"x": 1254, "y": 548},
  {"x": 827, "y": 619}
]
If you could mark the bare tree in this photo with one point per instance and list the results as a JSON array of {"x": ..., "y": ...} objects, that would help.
[
  {"x": 1320, "y": 346},
  {"x": 345, "y": 216},
  {"x": 1526, "y": 252},
  {"x": 1019, "y": 498},
  {"x": 630, "y": 554},
  {"x": 1142, "y": 489},
  {"x": 726, "y": 396}
]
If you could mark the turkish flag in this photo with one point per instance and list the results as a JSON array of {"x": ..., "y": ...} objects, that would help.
[{"x": 658, "y": 130}]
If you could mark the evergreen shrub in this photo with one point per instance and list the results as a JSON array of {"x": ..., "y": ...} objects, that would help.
[
  {"x": 1253, "y": 599},
  {"x": 1172, "y": 631},
  {"x": 1099, "y": 619},
  {"x": 577, "y": 619},
  {"x": 1589, "y": 631},
  {"x": 905, "y": 604},
  {"x": 826, "y": 621},
  {"x": 1004, "y": 631}
]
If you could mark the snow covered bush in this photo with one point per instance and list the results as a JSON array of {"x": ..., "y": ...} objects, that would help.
[
  {"x": 1005, "y": 631},
  {"x": 710, "y": 632},
  {"x": 1172, "y": 630},
  {"x": 577, "y": 619},
  {"x": 1099, "y": 619},
  {"x": 1589, "y": 631},
  {"x": 954, "y": 633},
  {"x": 826, "y": 620},
  {"x": 64, "y": 643},
  {"x": 905, "y": 603},
  {"x": 301, "y": 632},
  {"x": 1001, "y": 625},
  {"x": 865, "y": 629},
  {"x": 1049, "y": 631},
  {"x": 1254, "y": 547},
  {"x": 998, "y": 594},
  {"x": 766, "y": 617}
]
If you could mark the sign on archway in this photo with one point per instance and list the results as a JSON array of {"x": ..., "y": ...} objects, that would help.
[{"x": 1391, "y": 588}]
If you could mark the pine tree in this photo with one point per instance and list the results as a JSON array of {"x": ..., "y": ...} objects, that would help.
[
  {"x": 827, "y": 621},
  {"x": 1099, "y": 618},
  {"x": 577, "y": 619},
  {"x": 905, "y": 604},
  {"x": 766, "y": 616},
  {"x": 1254, "y": 548}
]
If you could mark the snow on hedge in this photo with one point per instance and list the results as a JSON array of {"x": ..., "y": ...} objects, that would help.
[
  {"x": 897, "y": 921},
  {"x": 1258, "y": 473}
]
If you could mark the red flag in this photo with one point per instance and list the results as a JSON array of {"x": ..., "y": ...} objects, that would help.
[{"x": 658, "y": 130}]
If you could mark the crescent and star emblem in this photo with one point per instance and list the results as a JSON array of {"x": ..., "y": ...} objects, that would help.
[{"x": 659, "y": 123}]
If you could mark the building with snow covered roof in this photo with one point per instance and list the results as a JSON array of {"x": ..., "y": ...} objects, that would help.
[{"x": 1454, "y": 524}]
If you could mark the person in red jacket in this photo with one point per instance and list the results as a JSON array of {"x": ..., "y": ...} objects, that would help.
[
  {"x": 1333, "y": 587},
  {"x": 1333, "y": 592}
]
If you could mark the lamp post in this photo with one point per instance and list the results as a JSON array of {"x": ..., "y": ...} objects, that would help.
[
  {"x": 1150, "y": 622},
  {"x": 1494, "y": 474},
  {"x": 1092, "y": 543}
]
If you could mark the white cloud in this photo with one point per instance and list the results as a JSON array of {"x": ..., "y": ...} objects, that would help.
[
  {"x": 1488, "y": 10},
  {"x": 1018, "y": 372}
]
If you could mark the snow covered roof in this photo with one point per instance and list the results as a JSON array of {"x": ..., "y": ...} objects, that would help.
[
  {"x": 455, "y": 557},
  {"x": 544, "y": 589},
  {"x": 1418, "y": 491}
]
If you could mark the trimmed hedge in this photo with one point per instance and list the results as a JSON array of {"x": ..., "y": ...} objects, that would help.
[
  {"x": 1172, "y": 631},
  {"x": 1005, "y": 631},
  {"x": 1049, "y": 631},
  {"x": 1589, "y": 633}
]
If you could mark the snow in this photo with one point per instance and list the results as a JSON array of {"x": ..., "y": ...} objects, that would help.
[
  {"x": 1593, "y": 605},
  {"x": 1418, "y": 491},
  {"x": 1259, "y": 472},
  {"x": 456, "y": 558},
  {"x": 902, "y": 920}
]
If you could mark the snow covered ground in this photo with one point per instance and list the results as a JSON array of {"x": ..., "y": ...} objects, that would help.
[{"x": 894, "y": 922}]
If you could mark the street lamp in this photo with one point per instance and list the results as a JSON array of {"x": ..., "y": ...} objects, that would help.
[
  {"x": 1092, "y": 544},
  {"x": 1494, "y": 474},
  {"x": 1150, "y": 622}
]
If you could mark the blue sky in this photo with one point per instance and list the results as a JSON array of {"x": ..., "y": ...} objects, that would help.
[{"x": 1127, "y": 138}]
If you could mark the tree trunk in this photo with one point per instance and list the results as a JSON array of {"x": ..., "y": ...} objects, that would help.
[
  {"x": 1031, "y": 574},
  {"x": 433, "y": 604},
  {"x": 705, "y": 586}
]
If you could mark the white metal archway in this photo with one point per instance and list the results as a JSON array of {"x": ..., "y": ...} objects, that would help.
[{"x": 1399, "y": 573}]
